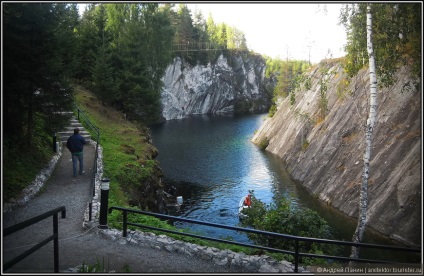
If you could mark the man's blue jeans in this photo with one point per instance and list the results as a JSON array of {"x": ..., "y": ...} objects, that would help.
[{"x": 75, "y": 159}]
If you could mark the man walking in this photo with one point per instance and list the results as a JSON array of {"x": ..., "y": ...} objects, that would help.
[{"x": 75, "y": 144}]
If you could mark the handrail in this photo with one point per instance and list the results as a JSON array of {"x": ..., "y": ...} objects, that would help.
[
  {"x": 296, "y": 253},
  {"x": 82, "y": 115},
  {"x": 196, "y": 46},
  {"x": 54, "y": 237}
]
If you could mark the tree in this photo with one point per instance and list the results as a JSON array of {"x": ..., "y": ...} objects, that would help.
[
  {"x": 222, "y": 35},
  {"x": 289, "y": 75},
  {"x": 141, "y": 38},
  {"x": 87, "y": 43},
  {"x": 104, "y": 82},
  {"x": 185, "y": 32},
  {"x": 102, "y": 74},
  {"x": 397, "y": 43},
  {"x": 200, "y": 36},
  {"x": 236, "y": 39},
  {"x": 363, "y": 204},
  {"x": 38, "y": 60},
  {"x": 211, "y": 29}
]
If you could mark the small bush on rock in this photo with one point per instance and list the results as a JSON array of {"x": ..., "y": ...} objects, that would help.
[{"x": 287, "y": 218}]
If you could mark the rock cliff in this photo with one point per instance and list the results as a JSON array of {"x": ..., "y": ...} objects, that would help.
[
  {"x": 230, "y": 85},
  {"x": 325, "y": 153}
]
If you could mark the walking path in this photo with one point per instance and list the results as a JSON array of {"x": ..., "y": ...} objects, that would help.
[{"x": 78, "y": 245}]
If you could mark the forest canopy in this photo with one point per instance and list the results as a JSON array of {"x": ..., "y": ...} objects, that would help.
[
  {"x": 396, "y": 41},
  {"x": 120, "y": 51}
]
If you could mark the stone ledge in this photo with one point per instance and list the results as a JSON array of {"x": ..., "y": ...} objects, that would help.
[
  {"x": 40, "y": 179},
  {"x": 246, "y": 263}
]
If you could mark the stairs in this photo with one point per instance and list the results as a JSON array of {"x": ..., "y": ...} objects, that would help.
[{"x": 68, "y": 131}]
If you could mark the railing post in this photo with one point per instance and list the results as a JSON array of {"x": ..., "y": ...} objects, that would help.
[
  {"x": 56, "y": 243},
  {"x": 296, "y": 256},
  {"x": 104, "y": 203},
  {"x": 90, "y": 210},
  {"x": 54, "y": 141},
  {"x": 96, "y": 155},
  {"x": 124, "y": 226},
  {"x": 54, "y": 237}
]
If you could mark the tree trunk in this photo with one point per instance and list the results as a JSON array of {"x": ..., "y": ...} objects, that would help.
[
  {"x": 30, "y": 120},
  {"x": 363, "y": 204}
]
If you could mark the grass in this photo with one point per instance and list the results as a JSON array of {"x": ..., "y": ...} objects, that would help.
[
  {"x": 117, "y": 135},
  {"x": 98, "y": 267}
]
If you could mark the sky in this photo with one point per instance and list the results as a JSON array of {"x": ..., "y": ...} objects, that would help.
[{"x": 283, "y": 29}]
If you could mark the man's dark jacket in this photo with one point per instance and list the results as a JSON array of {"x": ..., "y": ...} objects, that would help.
[{"x": 75, "y": 143}]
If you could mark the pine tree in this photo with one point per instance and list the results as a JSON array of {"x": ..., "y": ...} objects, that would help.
[{"x": 38, "y": 60}]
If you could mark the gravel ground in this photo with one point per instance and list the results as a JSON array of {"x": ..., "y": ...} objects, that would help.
[{"x": 79, "y": 246}]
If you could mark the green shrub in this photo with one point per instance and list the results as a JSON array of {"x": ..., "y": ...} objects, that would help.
[
  {"x": 286, "y": 218},
  {"x": 308, "y": 83},
  {"x": 292, "y": 98},
  {"x": 94, "y": 268},
  {"x": 264, "y": 143},
  {"x": 272, "y": 110},
  {"x": 100, "y": 267},
  {"x": 305, "y": 144}
]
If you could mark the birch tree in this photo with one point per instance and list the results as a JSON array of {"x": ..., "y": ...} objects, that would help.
[{"x": 372, "y": 114}]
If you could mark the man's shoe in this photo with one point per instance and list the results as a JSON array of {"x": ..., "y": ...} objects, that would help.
[{"x": 83, "y": 172}]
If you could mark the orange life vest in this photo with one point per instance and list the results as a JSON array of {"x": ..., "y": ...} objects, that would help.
[{"x": 247, "y": 201}]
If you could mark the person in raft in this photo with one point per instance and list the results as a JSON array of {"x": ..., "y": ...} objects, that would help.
[{"x": 247, "y": 200}]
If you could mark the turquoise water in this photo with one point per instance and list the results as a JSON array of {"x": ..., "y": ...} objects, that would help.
[{"x": 212, "y": 163}]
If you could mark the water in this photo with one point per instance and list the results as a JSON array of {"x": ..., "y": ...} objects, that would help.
[{"x": 212, "y": 163}]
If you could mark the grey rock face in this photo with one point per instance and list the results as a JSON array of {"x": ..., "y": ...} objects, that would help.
[
  {"x": 214, "y": 88},
  {"x": 326, "y": 155}
]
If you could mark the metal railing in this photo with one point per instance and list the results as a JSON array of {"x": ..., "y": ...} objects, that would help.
[
  {"x": 194, "y": 46},
  {"x": 297, "y": 254},
  {"x": 53, "y": 237},
  {"x": 201, "y": 47},
  {"x": 85, "y": 121}
]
